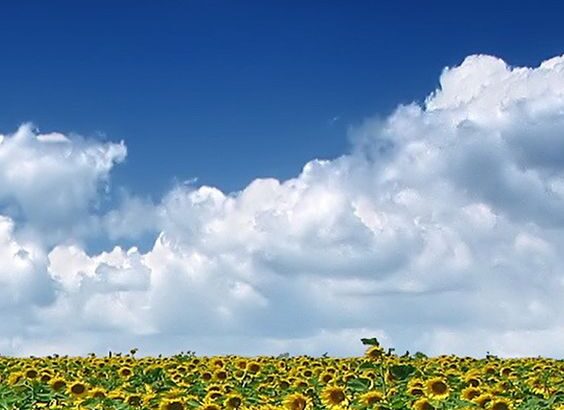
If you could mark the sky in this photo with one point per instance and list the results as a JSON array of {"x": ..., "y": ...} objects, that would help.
[{"x": 266, "y": 177}]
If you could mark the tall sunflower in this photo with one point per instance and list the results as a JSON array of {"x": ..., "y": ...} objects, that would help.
[
  {"x": 233, "y": 401},
  {"x": 297, "y": 401},
  {"x": 371, "y": 398},
  {"x": 207, "y": 405},
  {"x": 78, "y": 389},
  {"x": 469, "y": 393},
  {"x": 437, "y": 388},
  {"x": 332, "y": 396},
  {"x": 501, "y": 403},
  {"x": 171, "y": 404},
  {"x": 422, "y": 404}
]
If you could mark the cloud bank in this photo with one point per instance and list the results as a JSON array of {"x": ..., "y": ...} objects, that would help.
[{"x": 439, "y": 231}]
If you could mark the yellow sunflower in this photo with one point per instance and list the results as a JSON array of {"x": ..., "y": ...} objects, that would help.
[
  {"x": 416, "y": 391},
  {"x": 125, "y": 371},
  {"x": 233, "y": 401},
  {"x": 253, "y": 367},
  {"x": 78, "y": 389},
  {"x": 98, "y": 393},
  {"x": 371, "y": 397},
  {"x": 326, "y": 377},
  {"x": 171, "y": 404},
  {"x": 31, "y": 373},
  {"x": 207, "y": 405},
  {"x": 374, "y": 353},
  {"x": 422, "y": 404},
  {"x": 333, "y": 395},
  {"x": 58, "y": 384},
  {"x": 134, "y": 400},
  {"x": 437, "y": 388},
  {"x": 483, "y": 399},
  {"x": 297, "y": 401},
  {"x": 500, "y": 403},
  {"x": 220, "y": 375}
]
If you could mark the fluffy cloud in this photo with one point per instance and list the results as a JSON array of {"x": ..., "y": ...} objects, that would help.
[
  {"x": 438, "y": 232},
  {"x": 53, "y": 182}
]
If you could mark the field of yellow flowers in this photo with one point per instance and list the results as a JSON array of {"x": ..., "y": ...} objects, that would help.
[{"x": 378, "y": 380}]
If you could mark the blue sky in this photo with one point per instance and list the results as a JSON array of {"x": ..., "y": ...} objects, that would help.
[
  {"x": 230, "y": 91},
  {"x": 362, "y": 170}
]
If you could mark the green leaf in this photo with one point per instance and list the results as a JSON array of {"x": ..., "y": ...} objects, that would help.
[
  {"x": 367, "y": 365},
  {"x": 402, "y": 371},
  {"x": 358, "y": 384},
  {"x": 372, "y": 342}
]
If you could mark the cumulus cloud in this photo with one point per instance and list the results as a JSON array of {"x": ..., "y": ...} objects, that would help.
[
  {"x": 439, "y": 231},
  {"x": 53, "y": 182}
]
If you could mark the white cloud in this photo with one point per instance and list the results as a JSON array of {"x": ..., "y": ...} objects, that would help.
[
  {"x": 438, "y": 232},
  {"x": 53, "y": 182}
]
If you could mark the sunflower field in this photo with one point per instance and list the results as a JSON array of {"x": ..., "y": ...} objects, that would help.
[{"x": 378, "y": 380}]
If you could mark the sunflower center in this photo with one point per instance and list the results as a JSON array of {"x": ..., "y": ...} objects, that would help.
[
  {"x": 59, "y": 384},
  {"x": 31, "y": 374},
  {"x": 439, "y": 388},
  {"x": 78, "y": 389},
  {"x": 337, "y": 396},
  {"x": 134, "y": 400},
  {"x": 373, "y": 399},
  {"x": 175, "y": 405},
  {"x": 299, "y": 404}
]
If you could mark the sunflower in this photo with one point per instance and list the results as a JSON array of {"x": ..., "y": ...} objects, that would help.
[
  {"x": 500, "y": 403},
  {"x": 206, "y": 405},
  {"x": 214, "y": 387},
  {"x": 416, "y": 391},
  {"x": 506, "y": 371},
  {"x": 15, "y": 377},
  {"x": 217, "y": 362},
  {"x": 333, "y": 395},
  {"x": 415, "y": 382},
  {"x": 98, "y": 393},
  {"x": 58, "y": 384},
  {"x": 78, "y": 389},
  {"x": 125, "y": 371},
  {"x": 326, "y": 377},
  {"x": 283, "y": 384},
  {"x": 31, "y": 373},
  {"x": 470, "y": 393},
  {"x": 472, "y": 380},
  {"x": 46, "y": 376},
  {"x": 254, "y": 367},
  {"x": 212, "y": 395},
  {"x": 171, "y": 404},
  {"x": 174, "y": 393},
  {"x": 241, "y": 363},
  {"x": 483, "y": 399},
  {"x": 437, "y": 388},
  {"x": 297, "y": 401},
  {"x": 134, "y": 400},
  {"x": 371, "y": 397},
  {"x": 233, "y": 401},
  {"x": 374, "y": 353},
  {"x": 220, "y": 375},
  {"x": 300, "y": 384},
  {"x": 422, "y": 404},
  {"x": 306, "y": 373},
  {"x": 117, "y": 395}
]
